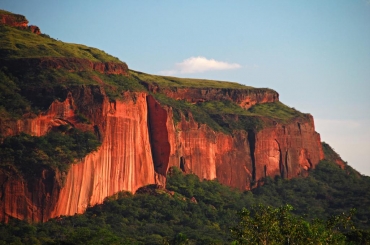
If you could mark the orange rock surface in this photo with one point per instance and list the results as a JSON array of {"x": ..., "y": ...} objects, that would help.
[
  {"x": 140, "y": 141},
  {"x": 243, "y": 159},
  {"x": 123, "y": 162},
  {"x": 14, "y": 20},
  {"x": 19, "y": 21}
]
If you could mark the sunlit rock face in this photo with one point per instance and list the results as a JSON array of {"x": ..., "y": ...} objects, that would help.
[
  {"x": 287, "y": 150},
  {"x": 140, "y": 142},
  {"x": 123, "y": 162},
  {"x": 243, "y": 159},
  {"x": 18, "y": 21},
  {"x": 32, "y": 201},
  {"x": 14, "y": 20}
]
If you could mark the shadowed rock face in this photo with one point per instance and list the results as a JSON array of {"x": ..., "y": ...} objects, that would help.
[
  {"x": 140, "y": 141},
  {"x": 157, "y": 125},
  {"x": 69, "y": 64}
]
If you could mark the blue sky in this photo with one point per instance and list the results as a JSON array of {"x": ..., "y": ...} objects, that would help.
[{"x": 315, "y": 53}]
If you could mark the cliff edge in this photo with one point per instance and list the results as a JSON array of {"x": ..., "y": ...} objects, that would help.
[{"x": 145, "y": 124}]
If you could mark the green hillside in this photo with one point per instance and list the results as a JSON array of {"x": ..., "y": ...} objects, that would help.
[
  {"x": 16, "y": 43},
  {"x": 175, "y": 82}
]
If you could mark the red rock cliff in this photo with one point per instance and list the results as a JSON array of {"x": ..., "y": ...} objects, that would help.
[
  {"x": 15, "y": 20},
  {"x": 140, "y": 141},
  {"x": 123, "y": 162},
  {"x": 239, "y": 160}
]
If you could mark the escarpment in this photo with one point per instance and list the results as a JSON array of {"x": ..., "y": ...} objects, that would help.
[
  {"x": 140, "y": 141},
  {"x": 245, "y": 158},
  {"x": 146, "y": 124}
]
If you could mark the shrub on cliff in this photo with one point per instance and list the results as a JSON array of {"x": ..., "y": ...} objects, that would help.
[{"x": 29, "y": 155}]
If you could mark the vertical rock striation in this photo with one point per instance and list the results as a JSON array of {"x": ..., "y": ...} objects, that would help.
[
  {"x": 140, "y": 141},
  {"x": 123, "y": 162},
  {"x": 245, "y": 158}
]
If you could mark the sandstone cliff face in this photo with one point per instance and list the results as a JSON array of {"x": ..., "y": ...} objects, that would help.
[
  {"x": 243, "y": 159},
  {"x": 31, "y": 201},
  {"x": 123, "y": 162},
  {"x": 14, "y": 20},
  {"x": 140, "y": 141},
  {"x": 240, "y": 160}
]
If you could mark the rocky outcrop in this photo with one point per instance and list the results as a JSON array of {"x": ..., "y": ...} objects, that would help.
[
  {"x": 16, "y": 20},
  {"x": 140, "y": 142},
  {"x": 34, "y": 29},
  {"x": 245, "y": 98},
  {"x": 69, "y": 64}
]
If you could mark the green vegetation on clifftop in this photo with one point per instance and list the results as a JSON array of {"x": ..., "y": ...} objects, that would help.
[
  {"x": 33, "y": 89},
  {"x": 167, "y": 82},
  {"x": 226, "y": 116},
  {"x": 16, "y": 43}
]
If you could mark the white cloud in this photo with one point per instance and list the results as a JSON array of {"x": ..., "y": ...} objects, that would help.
[{"x": 199, "y": 64}]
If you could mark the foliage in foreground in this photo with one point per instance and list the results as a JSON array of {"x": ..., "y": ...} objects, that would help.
[{"x": 267, "y": 225}]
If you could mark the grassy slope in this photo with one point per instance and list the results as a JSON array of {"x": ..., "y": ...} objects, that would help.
[
  {"x": 16, "y": 43},
  {"x": 227, "y": 116},
  {"x": 219, "y": 115},
  {"x": 166, "y": 81}
]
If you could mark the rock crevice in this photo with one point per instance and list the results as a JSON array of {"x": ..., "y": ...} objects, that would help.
[{"x": 140, "y": 142}]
